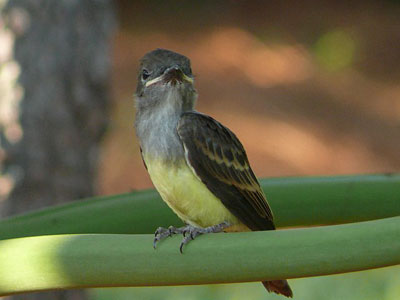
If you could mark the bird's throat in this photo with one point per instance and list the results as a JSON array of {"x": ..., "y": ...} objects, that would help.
[{"x": 156, "y": 129}]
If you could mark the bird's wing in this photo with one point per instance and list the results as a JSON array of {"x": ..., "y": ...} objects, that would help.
[{"x": 218, "y": 158}]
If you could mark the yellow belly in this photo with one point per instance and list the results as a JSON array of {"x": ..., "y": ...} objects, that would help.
[{"x": 188, "y": 197}]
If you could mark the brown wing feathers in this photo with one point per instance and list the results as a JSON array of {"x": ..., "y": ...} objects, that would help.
[{"x": 220, "y": 161}]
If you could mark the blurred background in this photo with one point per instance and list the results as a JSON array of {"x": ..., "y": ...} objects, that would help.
[{"x": 309, "y": 87}]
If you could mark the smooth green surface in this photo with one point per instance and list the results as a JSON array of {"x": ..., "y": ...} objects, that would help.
[
  {"x": 295, "y": 202},
  {"x": 72, "y": 261},
  {"x": 378, "y": 284}
]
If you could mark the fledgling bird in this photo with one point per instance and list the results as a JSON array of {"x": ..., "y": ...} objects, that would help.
[{"x": 198, "y": 166}]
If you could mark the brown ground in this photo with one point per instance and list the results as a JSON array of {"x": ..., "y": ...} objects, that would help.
[{"x": 259, "y": 72}]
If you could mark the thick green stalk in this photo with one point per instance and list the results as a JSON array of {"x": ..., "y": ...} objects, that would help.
[
  {"x": 295, "y": 202},
  {"x": 75, "y": 261}
]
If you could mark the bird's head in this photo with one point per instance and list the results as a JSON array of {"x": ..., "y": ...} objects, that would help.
[{"x": 165, "y": 79}]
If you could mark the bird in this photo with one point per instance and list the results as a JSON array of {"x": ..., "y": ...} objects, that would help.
[{"x": 198, "y": 166}]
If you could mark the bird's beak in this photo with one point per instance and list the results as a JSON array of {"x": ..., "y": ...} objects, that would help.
[{"x": 172, "y": 75}]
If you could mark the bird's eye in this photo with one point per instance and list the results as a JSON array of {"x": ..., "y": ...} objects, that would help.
[{"x": 145, "y": 74}]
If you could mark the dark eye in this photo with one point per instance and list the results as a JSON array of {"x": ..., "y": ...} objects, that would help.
[{"x": 145, "y": 74}]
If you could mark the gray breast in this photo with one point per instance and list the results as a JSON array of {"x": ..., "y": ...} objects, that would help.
[{"x": 156, "y": 130}]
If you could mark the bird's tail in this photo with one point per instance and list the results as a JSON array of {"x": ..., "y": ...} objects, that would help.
[{"x": 278, "y": 286}]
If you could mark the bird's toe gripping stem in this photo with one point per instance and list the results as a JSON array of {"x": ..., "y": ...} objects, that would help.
[
  {"x": 161, "y": 233},
  {"x": 189, "y": 232}
]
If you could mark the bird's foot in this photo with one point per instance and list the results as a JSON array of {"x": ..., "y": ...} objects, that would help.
[
  {"x": 190, "y": 232},
  {"x": 161, "y": 233}
]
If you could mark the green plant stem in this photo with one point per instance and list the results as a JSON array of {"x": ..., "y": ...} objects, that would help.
[
  {"x": 295, "y": 202},
  {"x": 76, "y": 261}
]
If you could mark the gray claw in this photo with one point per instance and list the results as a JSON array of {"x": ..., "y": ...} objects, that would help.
[
  {"x": 161, "y": 233},
  {"x": 189, "y": 233}
]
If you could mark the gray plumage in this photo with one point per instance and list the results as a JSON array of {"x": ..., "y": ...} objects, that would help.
[{"x": 158, "y": 110}]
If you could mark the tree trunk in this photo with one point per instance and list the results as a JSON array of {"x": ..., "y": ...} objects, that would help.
[{"x": 50, "y": 150}]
